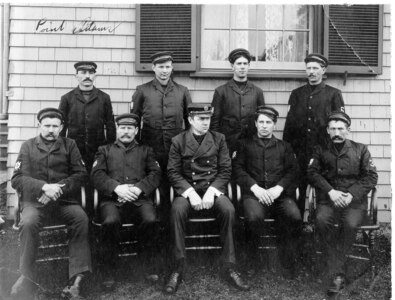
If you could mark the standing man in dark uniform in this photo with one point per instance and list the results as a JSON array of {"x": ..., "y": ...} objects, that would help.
[
  {"x": 308, "y": 109},
  {"x": 88, "y": 112},
  {"x": 89, "y": 118},
  {"x": 126, "y": 175},
  {"x": 267, "y": 171},
  {"x": 199, "y": 169},
  {"x": 162, "y": 104},
  {"x": 48, "y": 176},
  {"x": 235, "y": 102},
  {"x": 343, "y": 174}
]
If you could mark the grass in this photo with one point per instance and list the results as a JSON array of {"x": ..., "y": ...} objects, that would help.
[{"x": 202, "y": 280}]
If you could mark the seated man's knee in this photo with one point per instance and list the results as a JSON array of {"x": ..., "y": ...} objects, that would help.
[
  {"x": 323, "y": 219},
  {"x": 30, "y": 219},
  {"x": 179, "y": 207}
]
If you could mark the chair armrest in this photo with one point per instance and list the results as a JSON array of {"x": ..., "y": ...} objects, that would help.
[
  {"x": 230, "y": 192},
  {"x": 157, "y": 197},
  {"x": 83, "y": 197},
  {"x": 373, "y": 206},
  {"x": 171, "y": 194},
  {"x": 238, "y": 193},
  {"x": 17, "y": 214}
]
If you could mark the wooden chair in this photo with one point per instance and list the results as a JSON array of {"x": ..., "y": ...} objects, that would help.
[
  {"x": 53, "y": 244},
  {"x": 268, "y": 238},
  {"x": 364, "y": 246},
  {"x": 202, "y": 232},
  {"x": 128, "y": 244}
]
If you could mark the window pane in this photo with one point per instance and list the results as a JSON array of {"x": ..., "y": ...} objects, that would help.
[
  {"x": 216, "y": 47},
  {"x": 215, "y": 16},
  {"x": 270, "y": 45},
  {"x": 296, "y": 17},
  {"x": 270, "y": 16},
  {"x": 295, "y": 46},
  {"x": 244, "y": 39},
  {"x": 243, "y": 17}
]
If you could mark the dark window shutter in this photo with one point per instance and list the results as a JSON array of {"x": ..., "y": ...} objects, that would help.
[
  {"x": 353, "y": 38},
  {"x": 170, "y": 27}
]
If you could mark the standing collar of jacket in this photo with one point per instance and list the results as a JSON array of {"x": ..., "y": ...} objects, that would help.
[
  {"x": 79, "y": 95},
  {"x": 319, "y": 87},
  {"x": 158, "y": 86},
  {"x": 347, "y": 144},
  {"x": 234, "y": 86},
  {"x": 272, "y": 142},
  {"x": 133, "y": 144},
  {"x": 41, "y": 145}
]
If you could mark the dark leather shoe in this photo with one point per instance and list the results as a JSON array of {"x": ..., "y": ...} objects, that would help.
[
  {"x": 235, "y": 279},
  {"x": 336, "y": 285},
  {"x": 173, "y": 283}
]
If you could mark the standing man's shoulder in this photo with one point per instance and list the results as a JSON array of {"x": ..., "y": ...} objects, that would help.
[
  {"x": 70, "y": 93},
  {"x": 217, "y": 136},
  {"x": 101, "y": 93},
  {"x": 179, "y": 86},
  {"x": 146, "y": 85},
  {"x": 332, "y": 89}
]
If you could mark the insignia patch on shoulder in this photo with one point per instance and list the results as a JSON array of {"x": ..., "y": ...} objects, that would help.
[
  {"x": 157, "y": 164},
  {"x": 17, "y": 165},
  {"x": 234, "y": 154},
  {"x": 342, "y": 109},
  {"x": 94, "y": 164},
  {"x": 311, "y": 161}
]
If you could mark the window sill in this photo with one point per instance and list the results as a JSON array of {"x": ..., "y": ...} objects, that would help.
[{"x": 293, "y": 74}]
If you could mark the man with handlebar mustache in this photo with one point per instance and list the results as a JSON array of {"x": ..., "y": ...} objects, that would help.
[{"x": 343, "y": 174}]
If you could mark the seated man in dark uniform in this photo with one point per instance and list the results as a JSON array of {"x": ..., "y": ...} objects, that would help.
[
  {"x": 267, "y": 171},
  {"x": 343, "y": 174},
  {"x": 126, "y": 175},
  {"x": 199, "y": 168},
  {"x": 48, "y": 175}
]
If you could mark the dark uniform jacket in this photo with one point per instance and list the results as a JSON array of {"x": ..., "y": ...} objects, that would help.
[
  {"x": 36, "y": 166},
  {"x": 306, "y": 121},
  {"x": 232, "y": 109},
  {"x": 86, "y": 121},
  {"x": 114, "y": 165},
  {"x": 266, "y": 166},
  {"x": 199, "y": 166},
  {"x": 351, "y": 170},
  {"x": 163, "y": 112}
]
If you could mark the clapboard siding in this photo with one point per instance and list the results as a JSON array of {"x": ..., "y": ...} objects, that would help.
[{"x": 41, "y": 70}]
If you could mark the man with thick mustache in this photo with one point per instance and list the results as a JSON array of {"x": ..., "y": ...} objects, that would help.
[
  {"x": 88, "y": 112},
  {"x": 343, "y": 174},
  {"x": 48, "y": 176},
  {"x": 308, "y": 109},
  {"x": 126, "y": 173}
]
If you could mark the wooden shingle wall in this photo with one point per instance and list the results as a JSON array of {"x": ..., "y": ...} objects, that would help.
[{"x": 42, "y": 54}]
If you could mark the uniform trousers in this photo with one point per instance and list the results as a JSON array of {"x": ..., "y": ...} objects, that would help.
[
  {"x": 224, "y": 212},
  {"x": 337, "y": 242},
  {"x": 288, "y": 225},
  {"x": 33, "y": 218},
  {"x": 143, "y": 215}
]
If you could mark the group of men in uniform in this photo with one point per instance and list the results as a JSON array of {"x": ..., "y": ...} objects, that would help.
[{"x": 166, "y": 140}]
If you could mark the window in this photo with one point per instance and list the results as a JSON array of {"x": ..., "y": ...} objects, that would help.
[{"x": 278, "y": 36}]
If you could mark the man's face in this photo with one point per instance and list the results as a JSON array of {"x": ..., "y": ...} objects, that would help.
[
  {"x": 240, "y": 68},
  {"x": 338, "y": 131},
  {"x": 85, "y": 78},
  {"x": 264, "y": 126},
  {"x": 50, "y": 128},
  {"x": 200, "y": 124},
  {"x": 163, "y": 70},
  {"x": 126, "y": 133},
  {"x": 314, "y": 72}
]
